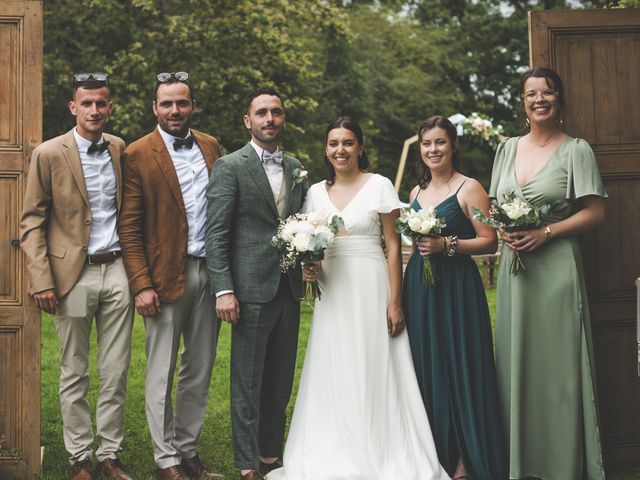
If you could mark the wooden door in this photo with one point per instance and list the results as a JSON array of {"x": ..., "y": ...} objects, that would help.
[
  {"x": 597, "y": 54},
  {"x": 20, "y": 133}
]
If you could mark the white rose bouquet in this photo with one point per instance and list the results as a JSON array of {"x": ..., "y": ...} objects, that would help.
[
  {"x": 416, "y": 223},
  {"x": 303, "y": 238},
  {"x": 512, "y": 215}
]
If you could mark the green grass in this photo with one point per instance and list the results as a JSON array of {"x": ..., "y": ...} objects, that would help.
[{"x": 137, "y": 454}]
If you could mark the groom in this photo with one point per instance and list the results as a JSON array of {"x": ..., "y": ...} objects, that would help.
[{"x": 249, "y": 192}]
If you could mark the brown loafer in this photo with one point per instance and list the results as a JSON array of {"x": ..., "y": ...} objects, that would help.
[
  {"x": 196, "y": 469},
  {"x": 267, "y": 467},
  {"x": 175, "y": 472},
  {"x": 113, "y": 468},
  {"x": 252, "y": 475},
  {"x": 82, "y": 470}
]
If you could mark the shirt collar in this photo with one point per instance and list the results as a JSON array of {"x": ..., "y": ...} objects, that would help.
[
  {"x": 82, "y": 142},
  {"x": 259, "y": 150},
  {"x": 169, "y": 139}
]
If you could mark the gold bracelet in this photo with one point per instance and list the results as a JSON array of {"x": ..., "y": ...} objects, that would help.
[{"x": 547, "y": 232}]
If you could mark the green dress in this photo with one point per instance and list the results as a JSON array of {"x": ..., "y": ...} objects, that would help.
[
  {"x": 544, "y": 354},
  {"x": 449, "y": 331}
]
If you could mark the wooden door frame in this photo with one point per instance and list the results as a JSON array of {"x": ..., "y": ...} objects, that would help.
[{"x": 23, "y": 458}]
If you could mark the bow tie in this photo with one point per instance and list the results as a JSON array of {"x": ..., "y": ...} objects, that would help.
[
  {"x": 97, "y": 147},
  {"x": 183, "y": 143},
  {"x": 275, "y": 157}
]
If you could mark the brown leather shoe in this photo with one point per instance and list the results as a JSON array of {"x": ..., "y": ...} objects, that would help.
[
  {"x": 196, "y": 469},
  {"x": 267, "y": 467},
  {"x": 113, "y": 468},
  {"x": 252, "y": 475},
  {"x": 82, "y": 470},
  {"x": 176, "y": 472}
]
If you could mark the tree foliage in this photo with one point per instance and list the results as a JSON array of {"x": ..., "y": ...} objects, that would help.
[{"x": 388, "y": 63}]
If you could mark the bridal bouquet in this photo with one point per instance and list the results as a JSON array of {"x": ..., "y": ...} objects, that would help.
[
  {"x": 416, "y": 223},
  {"x": 514, "y": 214},
  {"x": 303, "y": 238}
]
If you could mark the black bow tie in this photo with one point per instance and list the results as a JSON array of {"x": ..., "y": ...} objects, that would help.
[
  {"x": 183, "y": 143},
  {"x": 97, "y": 147}
]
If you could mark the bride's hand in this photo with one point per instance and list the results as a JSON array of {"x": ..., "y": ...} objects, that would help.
[
  {"x": 395, "y": 319},
  {"x": 311, "y": 271}
]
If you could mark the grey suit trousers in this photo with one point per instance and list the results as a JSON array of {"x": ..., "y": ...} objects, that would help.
[
  {"x": 175, "y": 433},
  {"x": 264, "y": 344}
]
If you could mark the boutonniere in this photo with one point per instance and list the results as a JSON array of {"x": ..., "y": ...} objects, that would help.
[{"x": 299, "y": 176}]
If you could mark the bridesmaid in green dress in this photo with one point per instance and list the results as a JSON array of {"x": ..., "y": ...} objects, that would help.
[
  {"x": 544, "y": 355},
  {"x": 449, "y": 324}
]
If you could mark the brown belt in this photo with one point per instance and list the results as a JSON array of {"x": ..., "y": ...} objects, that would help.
[{"x": 101, "y": 258}]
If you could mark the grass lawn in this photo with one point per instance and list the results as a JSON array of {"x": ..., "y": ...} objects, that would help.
[{"x": 215, "y": 444}]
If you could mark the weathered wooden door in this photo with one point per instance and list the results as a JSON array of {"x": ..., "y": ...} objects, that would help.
[
  {"x": 597, "y": 54},
  {"x": 20, "y": 132}
]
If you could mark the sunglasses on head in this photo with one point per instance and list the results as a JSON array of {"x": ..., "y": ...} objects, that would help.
[
  {"x": 165, "y": 76},
  {"x": 98, "y": 77}
]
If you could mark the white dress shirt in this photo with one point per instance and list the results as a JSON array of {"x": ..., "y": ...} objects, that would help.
[
  {"x": 193, "y": 176},
  {"x": 273, "y": 170},
  {"x": 100, "y": 179}
]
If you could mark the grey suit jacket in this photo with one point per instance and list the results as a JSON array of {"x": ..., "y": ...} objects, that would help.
[{"x": 242, "y": 218}]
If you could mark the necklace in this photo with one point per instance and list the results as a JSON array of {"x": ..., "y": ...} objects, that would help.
[
  {"x": 542, "y": 145},
  {"x": 443, "y": 184}
]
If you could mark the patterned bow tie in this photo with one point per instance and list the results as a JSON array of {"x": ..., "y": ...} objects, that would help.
[
  {"x": 97, "y": 147},
  {"x": 275, "y": 157},
  {"x": 183, "y": 143}
]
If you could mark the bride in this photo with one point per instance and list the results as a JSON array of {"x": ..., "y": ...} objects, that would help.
[{"x": 358, "y": 414}]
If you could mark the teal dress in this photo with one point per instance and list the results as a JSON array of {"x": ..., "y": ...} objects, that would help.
[
  {"x": 544, "y": 355},
  {"x": 449, "y": 331}
]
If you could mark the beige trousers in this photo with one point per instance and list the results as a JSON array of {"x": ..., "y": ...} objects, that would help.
[
  {"x": 175, "y": 433},
  {"x": 102, "y": 292}
]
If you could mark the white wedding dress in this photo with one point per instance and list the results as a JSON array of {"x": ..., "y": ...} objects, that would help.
[{"x": 358, "y": 414}]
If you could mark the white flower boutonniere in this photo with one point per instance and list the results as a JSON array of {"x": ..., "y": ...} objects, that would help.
[{"x": 299, "y": 176}]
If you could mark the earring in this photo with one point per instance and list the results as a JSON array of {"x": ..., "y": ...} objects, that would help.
[{"x": 527, "y": 122}]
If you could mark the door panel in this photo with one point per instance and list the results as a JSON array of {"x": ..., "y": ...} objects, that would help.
[
  {"x": 20, "y": 133},
  {"x": 597, "y": 54}
]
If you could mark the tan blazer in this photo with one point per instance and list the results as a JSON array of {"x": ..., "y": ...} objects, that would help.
[
  {"x": 153, "y": 226},
  {"x": 56, "y": 216}
]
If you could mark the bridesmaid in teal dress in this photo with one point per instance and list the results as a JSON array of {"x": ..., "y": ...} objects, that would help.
[
  {"x": 544, "y": 355},
  {"x": 448, "y": 324}
]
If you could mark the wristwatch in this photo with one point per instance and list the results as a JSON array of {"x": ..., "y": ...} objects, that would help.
[{"x": 547, "y": 232}]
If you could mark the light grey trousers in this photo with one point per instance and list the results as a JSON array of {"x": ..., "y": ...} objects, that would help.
[
  {"x": 102, "y": 292},
  {"x": 175, "y": 432}
]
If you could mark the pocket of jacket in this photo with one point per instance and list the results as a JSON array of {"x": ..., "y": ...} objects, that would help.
[{"x": 58, "y": 252}]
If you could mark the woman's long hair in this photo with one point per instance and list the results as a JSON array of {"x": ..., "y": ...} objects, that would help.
[
  {"x": 349, "y": 123},
  {"x": 437, "y": 121}
]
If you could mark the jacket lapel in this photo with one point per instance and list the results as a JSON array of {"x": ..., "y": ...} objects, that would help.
[
  {"x": 163, "y": 159},
  {"x": 72, "y": 157},
  {"x": 259, "y": 176},
  {"x": 117, "y": 169},
  {"x": 287, "y": 164},
  {"x": 206, "y": 149}
]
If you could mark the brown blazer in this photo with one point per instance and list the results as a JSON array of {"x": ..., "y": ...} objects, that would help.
[
  {"x": 56, "y": 215},
  {"x": 153, "y": 226}
]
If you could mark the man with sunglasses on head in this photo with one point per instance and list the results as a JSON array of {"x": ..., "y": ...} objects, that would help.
[
  {"x": 69, "y": 236},
  {"x": 162, "y": 227}
]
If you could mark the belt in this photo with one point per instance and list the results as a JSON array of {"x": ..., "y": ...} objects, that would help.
[{"x": 101, "y": 258}]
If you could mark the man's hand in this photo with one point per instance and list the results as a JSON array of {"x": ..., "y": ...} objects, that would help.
[
  {"x": 228, "y": 308},
  {"x": 46, "y": 300},
  {"x": 147, "y": 302}
]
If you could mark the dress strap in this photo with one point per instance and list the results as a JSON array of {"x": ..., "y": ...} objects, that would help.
[
  {"x": 465, "y": 181},
  {"x": 416, "y": 197}
]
